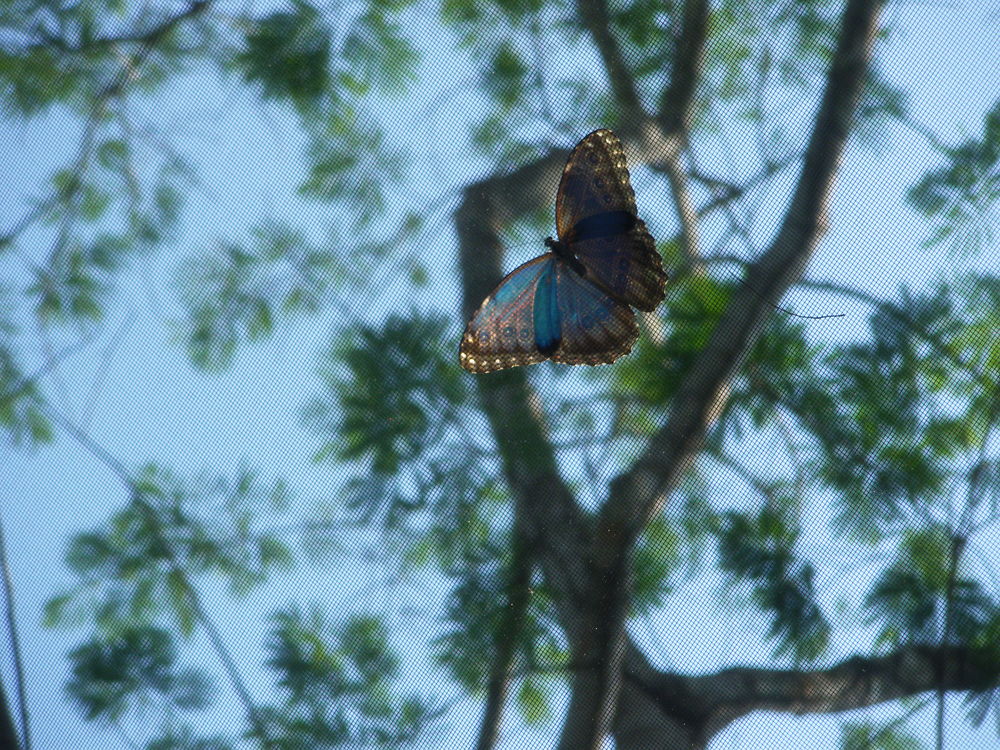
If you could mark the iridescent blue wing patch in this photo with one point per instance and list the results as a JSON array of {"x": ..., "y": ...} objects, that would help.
[{"x": 572, "y": 305}]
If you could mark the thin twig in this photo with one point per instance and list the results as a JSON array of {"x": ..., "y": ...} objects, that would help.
[{"x": 10, "y": 619}]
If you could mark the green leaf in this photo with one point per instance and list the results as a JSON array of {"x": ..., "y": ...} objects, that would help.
[
  {"x": 117, "y": 675},
  {"x": 20, "y": 410},
  {"x": 533, "y": 701},
  {"x": 378, "y": 54},
  {"x": 761, "y": 548},
  {"x": 114, "y": 154},
  {"x": 961, "y": 195},
  {"x": 288, "y": 54},
  {"x": 93, "y": 202},
  {"x": 387, "y": 388},
  {"x": 870, "y": 736},
  {"x": 239, "y": 294},
  {"x": 507, "y": 76},
  {"x": 656, "y": 558}
]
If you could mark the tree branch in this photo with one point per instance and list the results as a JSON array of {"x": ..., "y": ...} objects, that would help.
[
  {"x": 677, "y": 99},
  {"x": 589, "y": 571},
  {"x": 639, "y": 493},
  {"x": 957, "y": 546},
  {"x": 712, "y": 702},
  {"x": 546, "y": 510},
  {"x": 8, "y": 733},
  {"x": 676, "y": 105},
  {"x": 548, "y": 522},
  {"x": 508, "y": 636}
]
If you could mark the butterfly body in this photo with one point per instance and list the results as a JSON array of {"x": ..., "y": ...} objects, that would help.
[{"x": 574, "y": 304}]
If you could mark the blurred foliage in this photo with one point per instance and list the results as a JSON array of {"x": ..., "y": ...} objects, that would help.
[
  {"x": 960, "y": 197},
  {"x": 132, "y": 668},
  {"x": 70, "y": 53},
  {"x": 104, "y": 218},
  {"x": 394, "y": 415},
  {"x": 759, "y": 548},
  {"x": 137, "y": 569},
  {"x": 21, "y": 415},
  {"x": 393, "y": 393},
  {"x": 653, "y": 371},
  {"x": 476, "y": 623},
  {"x": 238, "y": 293},
  {"x": 288, "y": 54},
  {"x": 900, "y": 417},
  {"x": 656, "y": 560},
  {"x": 185, "y": 739},
  {"x": 338, "y": 684},
  {"x": 914, "y": 596},
  {"x": 867, "y": 736}
]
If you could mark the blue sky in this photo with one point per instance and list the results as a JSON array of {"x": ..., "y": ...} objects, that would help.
[{"x": 142, "y": 401}]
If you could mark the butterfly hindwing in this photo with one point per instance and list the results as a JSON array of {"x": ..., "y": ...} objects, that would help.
[
  {"x": 544, "y": 309},
  {"x": 627, "y": 265},
  {"x": 595, "y": 328}
]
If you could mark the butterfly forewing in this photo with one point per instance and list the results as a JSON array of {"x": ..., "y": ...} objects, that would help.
[
  {"x": 501, "y": 333},
  {"x": 596, "y": 217},
  {"x": 594, "y": 181}
]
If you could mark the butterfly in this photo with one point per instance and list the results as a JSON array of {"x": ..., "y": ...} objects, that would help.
[{"x": 574, "y": 304}]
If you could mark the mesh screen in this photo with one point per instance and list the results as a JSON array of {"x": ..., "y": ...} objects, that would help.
[{"x": 717, "y": 467}]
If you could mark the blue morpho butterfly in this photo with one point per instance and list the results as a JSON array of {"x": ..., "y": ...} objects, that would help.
[{"x": 574, "y": 304}]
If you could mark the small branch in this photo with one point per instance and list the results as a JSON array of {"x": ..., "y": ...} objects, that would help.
[
  {"x": 215, "y": 637},
  {"x": 687, "y": 214},
  {"x": 940, "y": 346},
  {"x": 688, "y": 55},
  {"x": 28, "y": 382},
  {"x": 927, "y": 134},
  {"x": 756, "y": 483},
  {"x": 98, "y": 110},
  {"x": 725, "y": 193},
  {"x": 595, "y": 18},
  {"x": 676, "y": 105},
  {"x": 36, "y": 213},
  {"x": 150, "y": 37},
  {"x": 508, "y": 636}
]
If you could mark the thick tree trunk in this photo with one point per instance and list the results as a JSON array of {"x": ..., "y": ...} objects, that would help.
[{"x": 587, "y": 562}]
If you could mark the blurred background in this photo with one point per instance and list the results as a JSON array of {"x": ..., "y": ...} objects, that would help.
[{"x": 249, "y": 498}]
